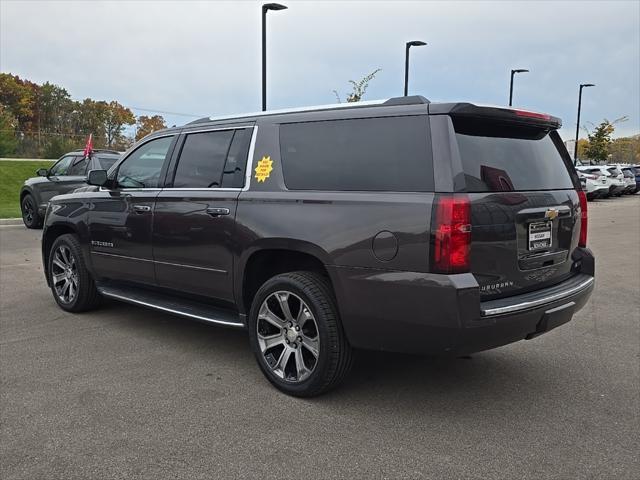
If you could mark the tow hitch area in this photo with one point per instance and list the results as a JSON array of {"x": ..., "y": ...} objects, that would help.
[{"x": 553, "y": 318}]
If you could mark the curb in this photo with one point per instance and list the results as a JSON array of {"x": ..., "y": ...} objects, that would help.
[{"x": 11, "y": 221}]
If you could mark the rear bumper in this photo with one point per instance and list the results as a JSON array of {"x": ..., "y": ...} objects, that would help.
[{"x": 442, "y": 314}]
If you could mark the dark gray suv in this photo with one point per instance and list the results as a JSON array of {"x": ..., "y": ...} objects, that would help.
[
  {"x": 401, "y": 225},
  {"x": 67, "y": 174}
]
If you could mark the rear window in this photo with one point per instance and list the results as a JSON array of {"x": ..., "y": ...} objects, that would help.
[
  {"x": 501, "y": 157},
  {"x": 372, "y": 154}
]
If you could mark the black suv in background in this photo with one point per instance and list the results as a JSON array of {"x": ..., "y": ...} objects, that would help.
[
  {"x": 402, "y": 225},
  {"x": 67, "y": 174}
]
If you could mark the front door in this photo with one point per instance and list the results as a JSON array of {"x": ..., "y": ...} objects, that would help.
[
  {"x": 121, "y": 217},
  {"x": 69, "y": 173},
  {"x": 194, "y": 220}
]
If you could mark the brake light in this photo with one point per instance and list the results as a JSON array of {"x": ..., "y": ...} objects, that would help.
[
  {"x": 527, "y": 113},
  {"x": 452, "y": 234},
  {"x": 584, "y": 219}
]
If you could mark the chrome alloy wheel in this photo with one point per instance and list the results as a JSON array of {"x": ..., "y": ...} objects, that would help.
[
  {"x": 288, "y": 336},
  {"x": 64, "y": 274}
]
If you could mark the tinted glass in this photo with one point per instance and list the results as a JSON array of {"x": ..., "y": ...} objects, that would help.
[
  {"x": 373, "y": 154},
  {"x": 78, "y": 166},
  {"x": 234, "y": 169},
  {"x": 107, "y": 162},
  {"x": 62, "y": 166},
  {"x": 142, "y": 168},
  {"x": 202, "y": 159},
  {"x": 499, "y": 157}
]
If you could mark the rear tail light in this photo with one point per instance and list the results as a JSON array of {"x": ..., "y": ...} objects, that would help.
[
  {"x": 584, "y": 219},
  {"x": 452, "y": 234},
  {"x": 528, "y": 114}
]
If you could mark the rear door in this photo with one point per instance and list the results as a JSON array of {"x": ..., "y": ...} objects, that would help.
[
  {"x": 525, "y": 210},
  {"x": 194, "y": 222}
]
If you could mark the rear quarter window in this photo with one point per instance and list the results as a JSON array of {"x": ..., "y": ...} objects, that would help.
[
  {"x": 500, "y": 157},
  {"x": 372, "y": 154}
]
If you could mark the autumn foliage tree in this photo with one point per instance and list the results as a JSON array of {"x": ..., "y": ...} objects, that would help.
[
  {"x": 600, "y": 140},
  {"x": 45, "y": 121},
  {"x": 146, "y": 125}
]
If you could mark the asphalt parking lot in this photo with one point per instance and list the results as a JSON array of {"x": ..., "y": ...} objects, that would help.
[{"x": 125, "y": 392}]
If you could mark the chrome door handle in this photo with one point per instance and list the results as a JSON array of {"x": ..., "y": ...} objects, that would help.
[
  {"x": 141, "y": 208},
  {"x": 217, "y": 211}
]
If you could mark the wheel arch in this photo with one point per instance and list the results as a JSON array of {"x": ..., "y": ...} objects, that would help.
[
  {"x": 48, "y": 237},
  {"x": 272, "y": 257}
]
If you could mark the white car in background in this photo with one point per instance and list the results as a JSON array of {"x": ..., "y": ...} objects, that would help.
[
  {"x": 628, "y": 177},
  {"x": 597, "y": 184},
  {"x": 619, "y": 183}
]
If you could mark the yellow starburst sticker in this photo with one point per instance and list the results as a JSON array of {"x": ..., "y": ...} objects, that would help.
[{"x": 263, "y": 170}]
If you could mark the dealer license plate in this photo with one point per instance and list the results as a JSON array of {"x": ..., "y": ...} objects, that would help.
[{"x": 539, "y": 235}]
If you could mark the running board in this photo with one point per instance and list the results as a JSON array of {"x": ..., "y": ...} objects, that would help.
[{"x": 178, "y": 306}]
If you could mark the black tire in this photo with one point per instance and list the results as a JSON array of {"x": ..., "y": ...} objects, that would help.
[
  {"x": 334, "y": 353},
  {"x": 30, "y": 215},
  {"x": 86, "y": 296}
]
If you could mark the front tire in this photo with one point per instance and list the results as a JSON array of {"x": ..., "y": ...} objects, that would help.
[
  {"x": 30, "y": 215},
  {"x": 71, "y": 284},
  {"x": 296, "y": 334}
]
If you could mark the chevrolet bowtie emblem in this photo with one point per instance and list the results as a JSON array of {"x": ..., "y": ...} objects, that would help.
[{"x": 551, "y": 214}]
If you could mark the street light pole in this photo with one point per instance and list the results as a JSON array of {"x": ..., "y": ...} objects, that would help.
[
  {"x": 513, "y": 72},
  {"x": 265, "y": 8},
  {"x": 575, "y": 146},
  {"x": 414, "y": 43}
]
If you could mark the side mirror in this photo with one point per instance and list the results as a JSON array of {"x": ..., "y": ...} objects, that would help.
[
  {"x": 42, "y": 172},
  {"x": 97, "y": 177}
]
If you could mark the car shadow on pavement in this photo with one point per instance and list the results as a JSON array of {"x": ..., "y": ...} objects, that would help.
[{"x": 511, "y": 375}]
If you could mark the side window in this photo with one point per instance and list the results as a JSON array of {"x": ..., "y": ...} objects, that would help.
[
  {"x": 234, "y": 169},
  {"x": 78, "y": 166},
  {"x": 62, "y": 166},
  {"x": 202, "y": 159},
  {"x": 142, "y": 168},
  {"x": 369, "y": 154}
]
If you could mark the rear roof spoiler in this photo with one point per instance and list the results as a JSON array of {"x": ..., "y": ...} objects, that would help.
[{"x": 505, "y": 114}]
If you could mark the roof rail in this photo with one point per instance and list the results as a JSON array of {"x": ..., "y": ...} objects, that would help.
[{"x": 412, "y": 100}]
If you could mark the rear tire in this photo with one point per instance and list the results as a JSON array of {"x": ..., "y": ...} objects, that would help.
[
  {"x": 296, "y": 334},
  {"x": 30, "y": 215},
  {"x": 71, "y": 284}
]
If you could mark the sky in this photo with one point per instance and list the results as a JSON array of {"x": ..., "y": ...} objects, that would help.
[{"x": 202, "y": 58}]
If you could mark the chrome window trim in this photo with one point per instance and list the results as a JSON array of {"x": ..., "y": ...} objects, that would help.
[
  {"x": 216, "y": 129},
  {"x": 249, "y": 167},
  {"x": 202, "y": 189},
  {"x": 538, "y": 302}
]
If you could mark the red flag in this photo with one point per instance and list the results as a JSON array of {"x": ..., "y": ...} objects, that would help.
[{"x": 88, "y": 148}]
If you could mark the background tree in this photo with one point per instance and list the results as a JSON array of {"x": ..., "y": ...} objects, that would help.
[
  {"x": 583, "y": 143},
  {"x": 625, "y": 150},
  {"x": 146, "y": 125},
  {"x": 358, "y": 88},
  {"x": 8, "y": 141},
  {"x": 18, "y": 97},
  {"x": 116, "y": 117},
  {"x": 600, "y": 139}
]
